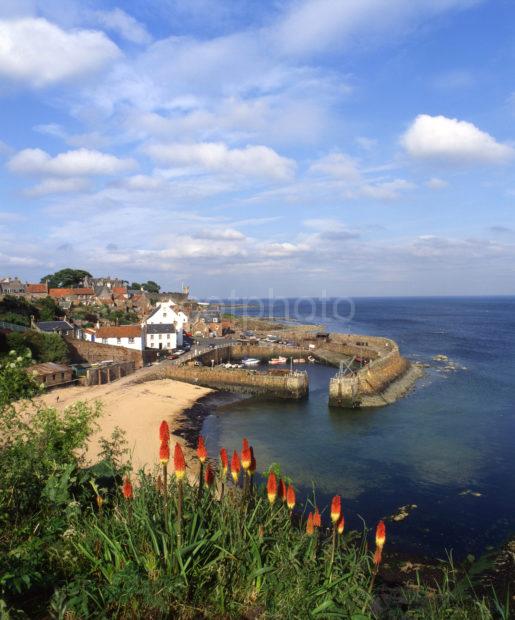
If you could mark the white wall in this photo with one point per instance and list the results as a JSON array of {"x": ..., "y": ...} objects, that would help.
[
  {"x": 167, "y": 341},
  {"x": 123, "y": 342},
  {"x": 166, "y": 313}
]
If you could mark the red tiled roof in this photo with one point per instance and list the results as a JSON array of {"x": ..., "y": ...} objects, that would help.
[
  {"x": 37, "y": 288},
  {"x": 119, "y": 290},
  {"x": 69, "y": 292},
  {"x": 119, "y": 331}
]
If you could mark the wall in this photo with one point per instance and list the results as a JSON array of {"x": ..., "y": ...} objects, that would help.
[
  {"x": 94, "y": 352},
  {"x": 107, "y": 374},
  {"x": 278, "y": 384}
]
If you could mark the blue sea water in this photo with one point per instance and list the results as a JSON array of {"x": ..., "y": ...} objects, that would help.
[{"x": 448, "y": 447}]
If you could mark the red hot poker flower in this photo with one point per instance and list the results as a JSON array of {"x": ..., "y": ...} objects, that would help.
[
  {"x": 290, "y": 497},
  {"x": 201, "y": 449},
  {"x": 127, "y": 489},
  {"x": 246, "y": 458},
  {"x": 340, "y": 526},
  {"x": 317, "y": 519},
  {"x": 380, "y": 535},
  {"x": 378, "y": 556},
  {"x": 271, "y": 487},
  {"x": 178, "y": 462},
  {"x": 224, "y": 460},
  {"x": 164, "y": 453},
  {"x": 209, "y": 476},
  {"x": 235, "y": 467},
  {"x": 164, "y": 432},
  {"x": 245, "y": 444},
  {"x": 282, "y": 490},
  {"x": 336, "y": 508},
  {"x": 310, "y": 528}
]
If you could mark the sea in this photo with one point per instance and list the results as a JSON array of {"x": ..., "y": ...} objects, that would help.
[{"x": 439, "y": 464}]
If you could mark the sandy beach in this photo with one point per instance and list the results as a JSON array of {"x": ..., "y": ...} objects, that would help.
[{"x": 137, "y": 408}]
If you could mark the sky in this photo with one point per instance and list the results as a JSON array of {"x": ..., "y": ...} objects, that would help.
[{"x": 261, "y": 147}]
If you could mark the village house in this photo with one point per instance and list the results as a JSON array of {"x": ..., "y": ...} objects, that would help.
[
  {"x": 160, "y": 336},
  {"x": 72, "y": 295},
  {"x": 63, "y": 328},
  {"x": 166, "y": 313},
  {"x": 11, "y": 286},
  {"x": 37, "y": 291},
  {"x": 129, "y": 336}
]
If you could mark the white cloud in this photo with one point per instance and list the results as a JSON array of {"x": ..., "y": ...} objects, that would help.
[
  {"x": 337, "y": 165},
  {"x": 39, "y": 53},
  {"x": 70, "y": 164},
  {"x": 436, "y": 183},
  {"x": 316, "y": 26},
  {"x": 445, "y": 139},
  {"x": 251, "y": 161},
  {"x": 125, "y": 25},
  {"x": 58, "y": 186},
  {"x": 228, "y": 234}
]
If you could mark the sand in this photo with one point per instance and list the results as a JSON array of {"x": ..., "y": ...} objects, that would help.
[{"x": 137, "y": 408}]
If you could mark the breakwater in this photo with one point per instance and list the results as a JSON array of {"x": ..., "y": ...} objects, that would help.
[{"x": 273, "y": 383}]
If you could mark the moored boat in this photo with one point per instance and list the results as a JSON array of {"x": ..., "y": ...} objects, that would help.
[
  {"x": 250, "y": 361},
  {"x": 278, "y": 360}
]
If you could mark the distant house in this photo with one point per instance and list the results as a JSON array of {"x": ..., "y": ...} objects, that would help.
[
  {"x": 130, "y": 336},
  {"x": 36, "y": 291},
  {"x": 73, "y": 295},
  {"x": 50, "y": 374},
  {"x": 161, "y": 336},
  {"x": 12, "y": 286},
  {"x": 167, "y": 313},
  {"x": 63, "y": 328}
]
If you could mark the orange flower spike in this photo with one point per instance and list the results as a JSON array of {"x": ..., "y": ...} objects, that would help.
[
  {"x": 127, "y": 489},
  {"x": 201, "y": 449},
  {"x": 235, "y": 467},
  {"x": 282, "y": 490},
  {"x": 378, "y": 555},
  {"x": 178, "y": 462},
  {"x": 310, "y": 527},
  {"x": 380, "y": 535},
  {"x": 340, "y": 526},
  {"x": 164, "y": 432},
  {"x": 164, "y": 453},
  {"x": 224, "y": 459},
  {"x": 209, "y": 476},
  {"x": 246, "y": 458},
  {"x": 336, "y": 508},
  {"x": 290, "y": 498},
  {"x": 245, "y": 444},
  {"x": 317, "y": 519},
  {"x": 271, "y": 487}
]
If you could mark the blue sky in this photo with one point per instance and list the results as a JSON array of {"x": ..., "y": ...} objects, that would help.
[{"x": 347, "y": 147}]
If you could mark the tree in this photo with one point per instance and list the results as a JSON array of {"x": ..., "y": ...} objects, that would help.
[
  {"x": 48, "y": 309},
  {"x": 151, "y": 287},
  {"x": 43, "y": 347},
  {"x": 17, "y": 310},
  {"x": 66, "y": 278},
  {"x": 136, "y": 286}
]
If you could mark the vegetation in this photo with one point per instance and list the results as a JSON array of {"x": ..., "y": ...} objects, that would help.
[
  {"x": 150, "y": 286},
  {"x": 43, "y": 347},
  {"x": 91, "y": 314},
  {"x": 77, "y": 543},
  {"x": 66, "y": 278},
  {"x": 19, "y": 311}
]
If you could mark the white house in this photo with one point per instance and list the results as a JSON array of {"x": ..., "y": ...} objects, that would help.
[
  {"x": 166, "y": 314},
  {"x": 130, "y": 336},
  {"x": 160, "y": 336}
]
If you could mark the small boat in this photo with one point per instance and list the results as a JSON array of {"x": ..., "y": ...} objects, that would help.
[
  {"x": 250, "y": 361},
  {"x": 311, "y": 359},
  {"x": 299, "y": 360},
  {"x": 278, "y": 360}
]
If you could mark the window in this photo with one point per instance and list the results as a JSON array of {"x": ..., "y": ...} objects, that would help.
[
  {"x": 118, "y": 341},
  {"x": 164, "y": 315},
  {"x": 131, "y": 340},
  {"x": 151, "y": 336},
  {"x": 160, "y": 336},
  {"x": 104, "y": 340},
  {"x": 168, "y": 336}
]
